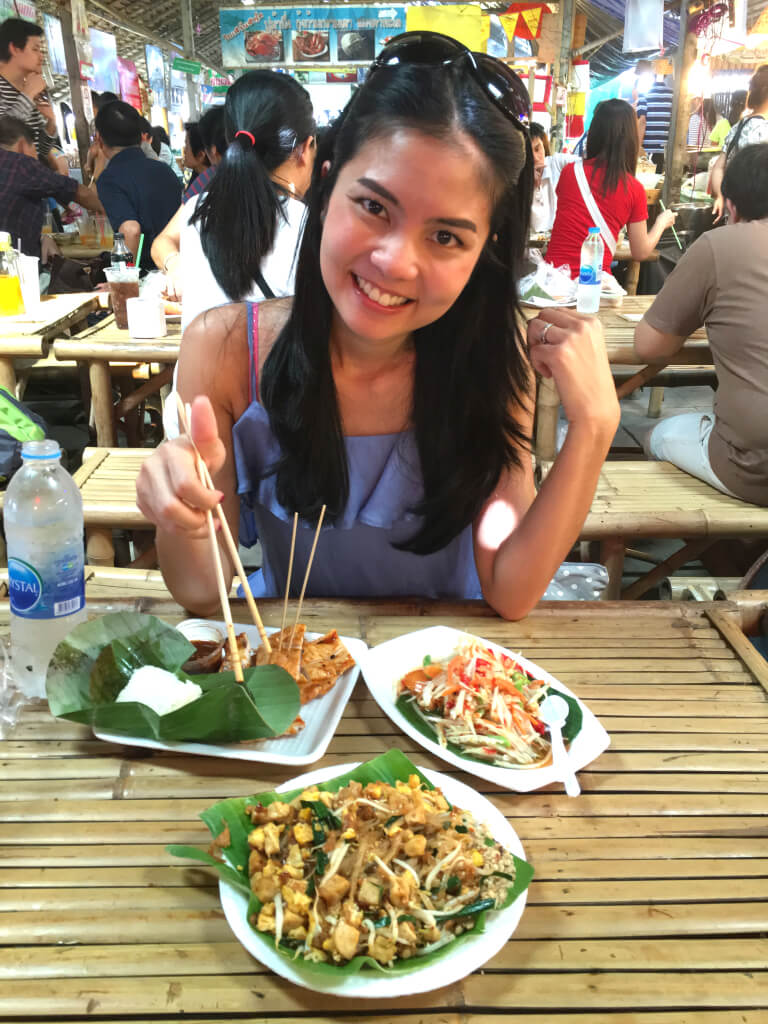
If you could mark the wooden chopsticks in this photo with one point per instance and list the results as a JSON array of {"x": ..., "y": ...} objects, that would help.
[{"x": 205, "y": 479}]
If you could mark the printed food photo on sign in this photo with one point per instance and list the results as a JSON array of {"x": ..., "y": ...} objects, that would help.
[
  {"x": 357, "y": 45},
  {"x": 311, "y": 47},
  {"x": 263, "y": 47}
]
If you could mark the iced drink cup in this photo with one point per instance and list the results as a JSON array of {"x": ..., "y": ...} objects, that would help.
[{"x": 123, "y": 285}]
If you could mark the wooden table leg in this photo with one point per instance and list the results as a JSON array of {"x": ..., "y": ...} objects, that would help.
[
  {"x": 547, "y": 409},
  {"x": 612, "y": 557},
  {"x": 101, "y": 399},
  {"x": 99, "y": 547},
  {"x": 8, "y": 374},
  {"x": 654, "y": 403},
  {"x": 633, "y": 276},
  {"x": 691, "y": 549}
]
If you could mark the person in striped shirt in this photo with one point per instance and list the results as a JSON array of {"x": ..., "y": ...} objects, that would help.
[
  {"x": 22, "y": 86},
  {"x": 654, "y": 112}
]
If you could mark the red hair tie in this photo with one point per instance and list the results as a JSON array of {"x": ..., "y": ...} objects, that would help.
[{"x": 248, "y": 134}]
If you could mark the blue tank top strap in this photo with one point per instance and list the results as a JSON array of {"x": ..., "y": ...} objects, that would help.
[{"x": 253, "y": 350}]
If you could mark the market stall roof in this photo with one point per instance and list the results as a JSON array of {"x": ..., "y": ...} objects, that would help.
[
  {"x": 135, "y": 23},
  {"x": 607, "y": 59},
  {"x": 607, "y": 16}
]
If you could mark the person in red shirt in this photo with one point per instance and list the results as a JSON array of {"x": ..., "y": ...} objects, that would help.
[{"x": 609, "y": 183}]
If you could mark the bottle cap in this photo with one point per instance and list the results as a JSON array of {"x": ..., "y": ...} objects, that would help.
[
  {"x": 594, "y": 231},
  {"x": 41, "y": 450}
]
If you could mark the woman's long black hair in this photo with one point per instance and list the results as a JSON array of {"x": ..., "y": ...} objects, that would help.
[
  {"x": 471, "y": 369},
  {"x": 613, "y": 142},
  {"x": 238, "y": 214}
]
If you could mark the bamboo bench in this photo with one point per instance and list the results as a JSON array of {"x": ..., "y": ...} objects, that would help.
[
  {"x": 633, "y": 500},
  {"x": 656, "y": 499},
  {"x": 105, "y": 584},
  {"x": 107, "y": 482}
]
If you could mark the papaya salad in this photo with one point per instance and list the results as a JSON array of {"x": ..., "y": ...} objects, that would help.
[{"x": 482, "y": 702}]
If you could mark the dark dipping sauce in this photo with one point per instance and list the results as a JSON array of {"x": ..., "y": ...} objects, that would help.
[{"x": 207, "y": 657}]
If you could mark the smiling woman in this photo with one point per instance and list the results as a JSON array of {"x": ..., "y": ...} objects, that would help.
[{"x": 396, "y": 387}]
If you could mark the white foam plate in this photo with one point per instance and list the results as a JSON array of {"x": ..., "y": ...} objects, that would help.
[
  {"x": 320, "y": 716},
  {"x": 385, "y": 665},
  {"x": 468, "y": 956}
]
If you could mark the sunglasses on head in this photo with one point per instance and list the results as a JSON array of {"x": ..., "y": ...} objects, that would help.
[{"x": 500, "y": 84}]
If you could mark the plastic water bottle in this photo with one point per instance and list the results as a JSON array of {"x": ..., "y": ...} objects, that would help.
[
  {"x": 590, "y": 273},
  {"x": 44, "y": 531}
]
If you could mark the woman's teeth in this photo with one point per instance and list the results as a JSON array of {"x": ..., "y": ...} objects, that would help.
[{"x": 373, "y": 293}]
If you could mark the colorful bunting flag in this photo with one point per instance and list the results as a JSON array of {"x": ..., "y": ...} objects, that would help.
[{"x": 523, "y": 20}]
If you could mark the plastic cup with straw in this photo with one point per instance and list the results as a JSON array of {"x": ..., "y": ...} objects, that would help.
[{"x": 672, "y": 226}]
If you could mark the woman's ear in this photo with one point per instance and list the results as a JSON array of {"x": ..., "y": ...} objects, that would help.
[
  {"x": 325, "y": 168},
  {"x": 305, "y": 151}
]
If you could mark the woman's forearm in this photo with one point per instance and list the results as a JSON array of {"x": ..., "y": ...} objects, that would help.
[
  {"x": 168, "y": 242},
  {"x": 529, "y": 558},
  {"x": 654, "y": 235},
  {"x": 189, "y": 571}
]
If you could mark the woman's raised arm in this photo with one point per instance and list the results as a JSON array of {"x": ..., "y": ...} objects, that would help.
[
  {"x": 213, "y": 375},
  {"x": 521, "y": 537}
]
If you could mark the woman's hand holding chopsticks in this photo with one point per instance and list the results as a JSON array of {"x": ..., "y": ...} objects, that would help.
[{"x": 169, "y": 491}]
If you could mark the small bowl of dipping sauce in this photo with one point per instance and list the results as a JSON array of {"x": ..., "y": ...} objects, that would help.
[{"x": 208, "y": 641}]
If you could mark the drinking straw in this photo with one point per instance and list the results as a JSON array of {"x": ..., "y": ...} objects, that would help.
[
  {"x": 661, "y": 204},
  {"x": 138, "y": 254}
]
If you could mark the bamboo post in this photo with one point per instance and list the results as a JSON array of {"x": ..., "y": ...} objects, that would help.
[
  {"x": 612, "y": 557},
  {"x": 562, "y": 67},
  {"x": 189, "y": 53},
  {"x": 677, "y": 142},
  {"x": 101, "y": 402},
  {"x": 547, "y": 409},
  {"x": 8, "y": 374},
  {"x": 76, "y": 85}
]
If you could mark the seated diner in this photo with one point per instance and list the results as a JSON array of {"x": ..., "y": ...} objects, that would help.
[
  {"x": 721, "y": 282},
  {"x": 603, "y": 191},
  {"x": 395, "y": 391}
]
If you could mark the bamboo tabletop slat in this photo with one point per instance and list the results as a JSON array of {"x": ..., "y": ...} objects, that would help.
[
  {"x": 650, "y": 899},
  {"x": 106, "y": 342},
  {"x": 619, "y": 333}
]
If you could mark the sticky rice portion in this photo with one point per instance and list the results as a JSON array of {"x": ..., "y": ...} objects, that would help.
[{"x": 158, "y": 689}]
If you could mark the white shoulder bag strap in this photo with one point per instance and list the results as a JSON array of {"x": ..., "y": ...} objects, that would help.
[{"x": 589, "y": 200}]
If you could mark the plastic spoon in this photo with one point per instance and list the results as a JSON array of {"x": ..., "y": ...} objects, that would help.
[{"x": 553, "y": 711}]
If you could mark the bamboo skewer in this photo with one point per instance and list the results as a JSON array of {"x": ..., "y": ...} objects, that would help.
[
  {"x": 234, "y": 650},
  {"x": 288, "y": 578},
  {"x": 229, "y": 540},
  {"x": 306, "y": 574}
]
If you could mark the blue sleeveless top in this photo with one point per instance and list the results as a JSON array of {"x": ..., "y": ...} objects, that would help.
[{"x": 354, "y": 556}]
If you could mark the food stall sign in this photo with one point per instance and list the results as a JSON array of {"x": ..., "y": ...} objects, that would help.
[
  {"x": 300, "y": 36},
  {"x": 192, "y": 67}
]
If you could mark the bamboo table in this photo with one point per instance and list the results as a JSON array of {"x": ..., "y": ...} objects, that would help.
[
  {"x": 29, "y": 337},
  {"x": 650, "y": 900},
  {"x": 619, "y": 333},
  {"x": 106, "y": 345}
]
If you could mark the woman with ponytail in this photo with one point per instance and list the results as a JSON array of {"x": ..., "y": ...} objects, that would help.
[
  {"x": 238, "y": 240},
  {"x": 395, "y": 390},
  {"x": 247, "y": 224}
]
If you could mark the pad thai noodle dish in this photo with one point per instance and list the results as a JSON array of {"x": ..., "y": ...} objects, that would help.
[
  {"x": 483, "y": 702},
  {"x": 390, "y": 872}
]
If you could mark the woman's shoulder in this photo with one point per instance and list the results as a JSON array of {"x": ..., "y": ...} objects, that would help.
[
  {"x": 272, "y": 316},
  {"x": 219, "y": 336},
  {"x": 214, "y": 356}
]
